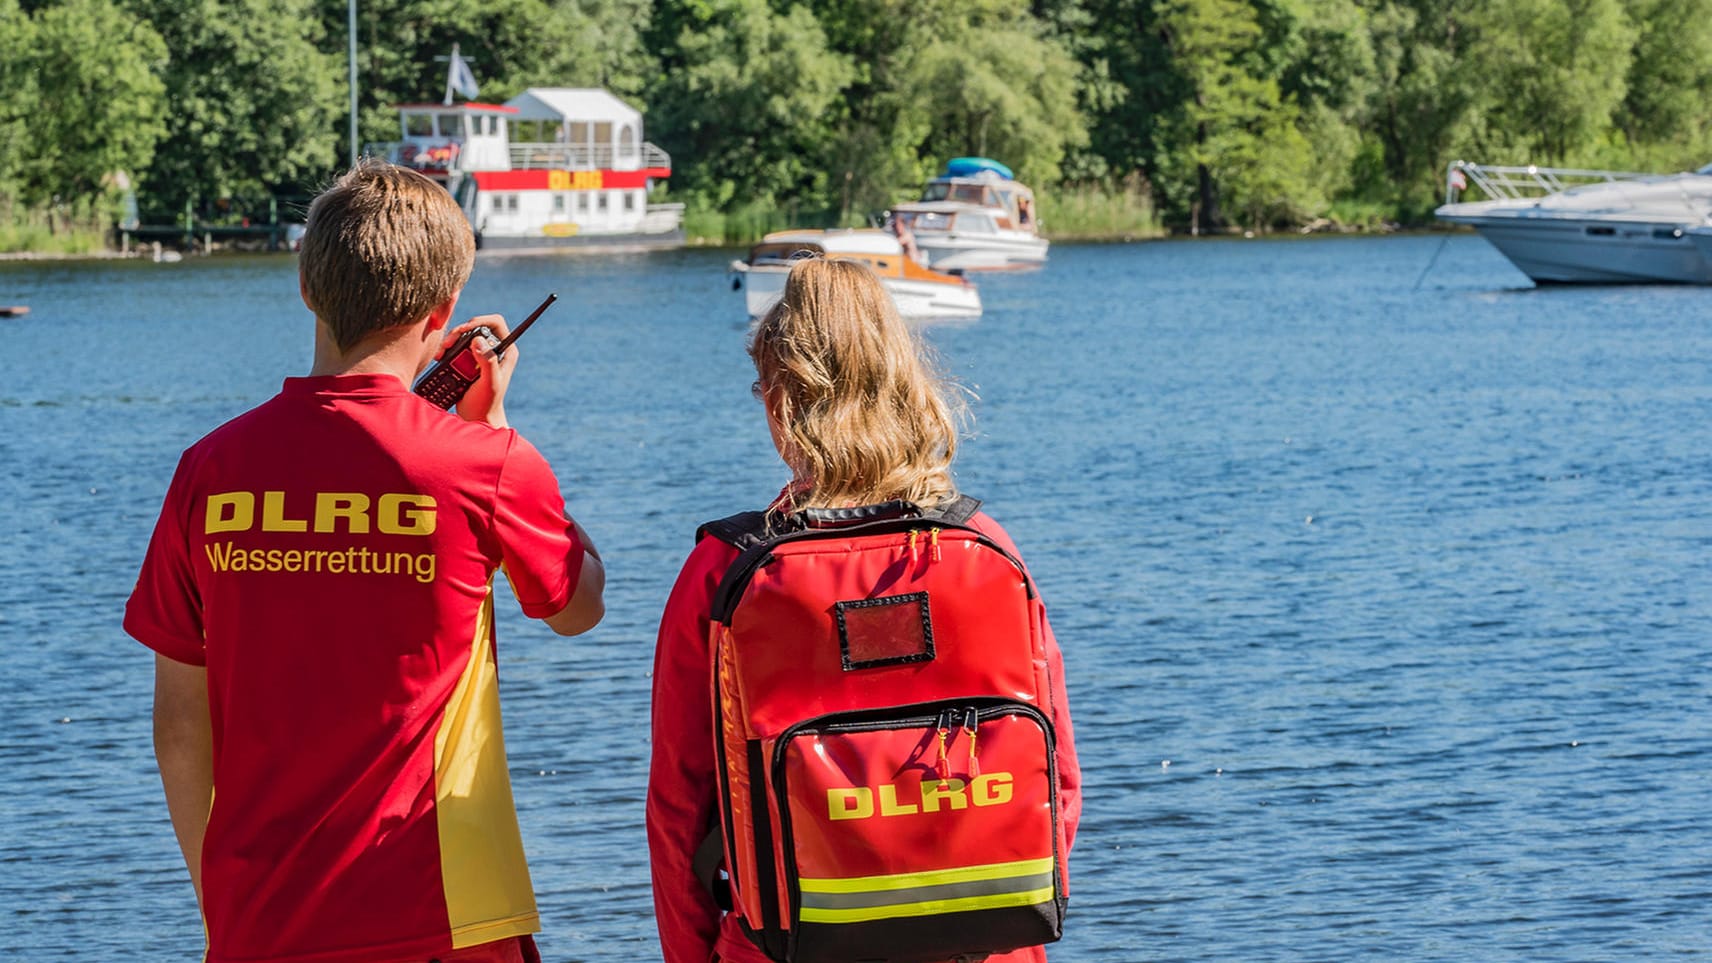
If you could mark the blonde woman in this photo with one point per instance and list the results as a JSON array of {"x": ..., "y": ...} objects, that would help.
[{"x": 863, "y": 423}]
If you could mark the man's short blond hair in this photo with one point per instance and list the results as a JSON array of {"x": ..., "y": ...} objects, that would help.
[{"x": 383, "y": 247}]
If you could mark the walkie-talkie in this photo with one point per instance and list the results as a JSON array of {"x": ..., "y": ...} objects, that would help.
[{"x": 445, "y": 382}]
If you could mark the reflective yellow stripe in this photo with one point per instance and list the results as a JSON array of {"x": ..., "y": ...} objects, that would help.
[
  {"x": 486, "y": 880},
  {"x": 962, "y": 874},
  {"x": 927, "y": 907}
]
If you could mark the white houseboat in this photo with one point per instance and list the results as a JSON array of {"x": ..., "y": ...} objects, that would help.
[{"x": 550, "y": 169}]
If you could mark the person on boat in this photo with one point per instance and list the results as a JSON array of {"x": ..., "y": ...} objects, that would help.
[
  {"x": 906, "y": 239},
  {"x": 318, "y": 593},
  {"x": 860, "y": 417}
]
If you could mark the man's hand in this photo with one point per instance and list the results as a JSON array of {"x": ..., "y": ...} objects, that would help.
[{"x": 485, "y": 401}]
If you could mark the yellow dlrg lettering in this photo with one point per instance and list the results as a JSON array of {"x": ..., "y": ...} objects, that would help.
[
  {"x": 856, "y": 802},
  {"x": 398, "y": 513},
  {"x": 558, "y": 180},
  {"x": 405, "y": 514},
  {"x": 992, "y": 789},
  {"x": 889, "y": 802},
  {"x": 934, "y": 795},
  {"x": 949, "y": 790},
  {"x": 273, "y": 515},
  {"x": 353, "y": 507},
  {"x": 229, "y": 512}
]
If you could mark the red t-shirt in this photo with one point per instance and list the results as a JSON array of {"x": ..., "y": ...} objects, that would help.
[
  {"x": 329, "y": 556},
  {"x": 682, "y": 791}
]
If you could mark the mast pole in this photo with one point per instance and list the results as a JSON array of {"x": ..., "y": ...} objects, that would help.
[
  {"x": 351, "y": 25},
  {"x": 451, "y": 71}
]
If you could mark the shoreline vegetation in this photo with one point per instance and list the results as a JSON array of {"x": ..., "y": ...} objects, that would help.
[{"x": 1129, "y": 118}]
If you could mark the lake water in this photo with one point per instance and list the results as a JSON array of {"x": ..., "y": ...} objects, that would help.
[{"x": 1386, "y": 598}]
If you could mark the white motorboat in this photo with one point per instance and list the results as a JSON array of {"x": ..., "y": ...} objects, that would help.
[
  {"x": 1582, "y": 226},
  {"x": 974, "y": 217},
  {"x": 919, "y": 292}
]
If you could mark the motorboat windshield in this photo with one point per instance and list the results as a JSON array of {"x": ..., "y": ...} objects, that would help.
[{"x": 965, "y": 192}]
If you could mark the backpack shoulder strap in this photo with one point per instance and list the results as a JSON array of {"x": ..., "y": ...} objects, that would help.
[
  {"x": 959, "y": 510},
  {"x": 742, "y": 531}
]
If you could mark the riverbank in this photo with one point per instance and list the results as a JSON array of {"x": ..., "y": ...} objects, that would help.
[{"x": 66, "y": 255}]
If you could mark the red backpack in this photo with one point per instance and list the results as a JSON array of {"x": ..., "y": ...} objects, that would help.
[{"x": 888, "y": 790}]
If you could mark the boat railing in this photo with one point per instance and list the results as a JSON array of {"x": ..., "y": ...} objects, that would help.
[
  {"x": 586, "y": 157},
  {"x": 544, "y": 156},
  {"x": 1501, "y": 183}
]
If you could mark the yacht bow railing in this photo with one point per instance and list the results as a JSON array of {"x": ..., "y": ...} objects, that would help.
[{"x": 1516, "y": 183}]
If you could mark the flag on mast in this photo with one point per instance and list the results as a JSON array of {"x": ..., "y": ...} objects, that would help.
[{"x": 459, "y": 78}]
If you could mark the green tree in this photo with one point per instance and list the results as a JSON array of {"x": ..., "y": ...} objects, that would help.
[
  {"x": 746, "y": 99},
  {"x": 993, "y": 83},
  {"x": 1428, "y": 95},
  {"x": 1558, "y": 70},
  {"x": 1130, "y": 89},
  {"x": 255, "y": 103},
  {"x": 17, "y": 34},
  {"x": 99, "y": 103},
  {"x": 1670, "y": 77},
  {"x": 934, "y": 80},
  {"x": 510, "y": 44},
  {"x": 1235, "y": 140}
]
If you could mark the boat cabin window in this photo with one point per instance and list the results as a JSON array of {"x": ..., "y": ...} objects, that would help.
[
  {"x": 418, "y": 125},
  {"x": 451, "y": 125},
  {"x": 627, "y": 142},
  {"x": 629, "y": 201},
  {"x": 928, "y": 221},
  {"x": 973, "y": 194},
  {"x": 976, "y": 224},
  {"x": 558, "y": 203}
]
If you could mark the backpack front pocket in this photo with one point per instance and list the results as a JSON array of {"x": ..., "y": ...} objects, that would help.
[{"x": 920, "y": 833}]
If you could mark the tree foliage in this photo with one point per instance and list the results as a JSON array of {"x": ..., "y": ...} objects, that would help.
[
  {"x": 1225, "y": 113},
  {"x": 98, "y": 103},
  {"x": 255, "y": 101}
]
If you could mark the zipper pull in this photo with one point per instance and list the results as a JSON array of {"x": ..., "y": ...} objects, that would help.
[
  {"x": 970, "y": 723},
  {"x": 933, "y": 542},
  {"x": 943, "y": 766},
  {"x": 912, "y": 555}
]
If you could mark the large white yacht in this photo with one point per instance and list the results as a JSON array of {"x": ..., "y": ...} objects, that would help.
[
  {"x": 1701, "y": 237},
  {"x": 1584, "y": 226}
]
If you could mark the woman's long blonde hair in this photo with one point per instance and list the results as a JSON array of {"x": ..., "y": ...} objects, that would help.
[{"x": 863, "y": 412}]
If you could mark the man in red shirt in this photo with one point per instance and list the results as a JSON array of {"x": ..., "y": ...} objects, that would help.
[{"x": 318, "y": 593}]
